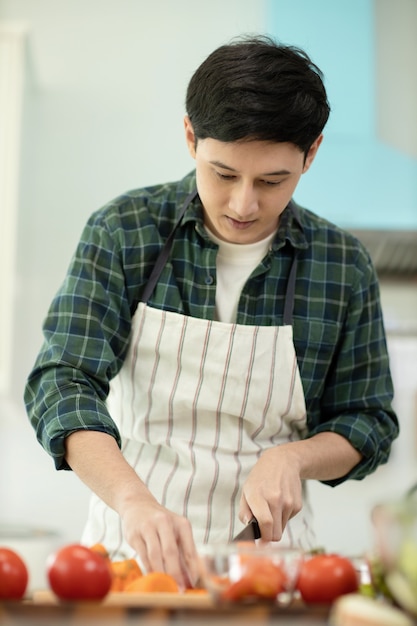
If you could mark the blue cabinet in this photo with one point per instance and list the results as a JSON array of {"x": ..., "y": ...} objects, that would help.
[{"x": 363, "y": 177}]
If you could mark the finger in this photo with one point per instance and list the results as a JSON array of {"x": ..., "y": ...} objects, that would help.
[
  {"x": 188, "y": 552},
  {"x": 142, "y": 556},
  {"x": 277, "y": 528},
  {"x": 171, "y": 550},
  {"x": 153, "y": 555},
  {"x": 281, "y": 516},
  {"x": 245, "y": 512},
  {"x": 258, "y": 509},
  {"x": 160, "y": 553}
]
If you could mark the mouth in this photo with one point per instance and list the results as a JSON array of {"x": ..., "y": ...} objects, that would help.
[{"x": 239, "y": 225}]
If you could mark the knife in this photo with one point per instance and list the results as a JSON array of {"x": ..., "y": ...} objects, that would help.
[{"x": 251, "y": 532}]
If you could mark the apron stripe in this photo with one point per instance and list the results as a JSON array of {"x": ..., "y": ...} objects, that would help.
[
  {"x": 176, "y": 379},
  {"x": 217, "y": 435},
  {"x": 268, "y": 396},
  {"x": 291, "y": 389},
  {"x": 171, "y": 410},
  {"x": 194, "y": 417},
  {"x": 153, "y": 376},
  {"x": 234, "y": 502},
  {"x": 249, "y": 374}
]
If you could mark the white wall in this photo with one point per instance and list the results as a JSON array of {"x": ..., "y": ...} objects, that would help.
[
  {"x": 103, "y": 113},
  {"x": 103, "y": 109},
  {"x": 343, "y": 514}
]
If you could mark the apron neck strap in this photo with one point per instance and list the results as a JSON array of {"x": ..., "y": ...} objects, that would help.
[
  {"x": 290, "y": 292},
  {"x": 165, "y": 252}
]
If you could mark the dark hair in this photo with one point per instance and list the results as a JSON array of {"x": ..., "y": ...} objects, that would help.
[{"x": 256, "y": 89}]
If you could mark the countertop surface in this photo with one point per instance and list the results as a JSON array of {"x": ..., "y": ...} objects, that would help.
[{"x": 117, "y": 610}]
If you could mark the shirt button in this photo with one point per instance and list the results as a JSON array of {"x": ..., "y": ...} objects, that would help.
[{"x": 209, "y": 280}]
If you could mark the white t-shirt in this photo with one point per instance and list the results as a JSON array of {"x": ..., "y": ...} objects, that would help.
[{"x": 235, "y": 263}]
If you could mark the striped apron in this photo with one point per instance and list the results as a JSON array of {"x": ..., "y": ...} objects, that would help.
[{"x": 196, "y": 402}]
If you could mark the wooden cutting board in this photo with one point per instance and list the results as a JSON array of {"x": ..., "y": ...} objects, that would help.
[{"x": 124, "y": 599}]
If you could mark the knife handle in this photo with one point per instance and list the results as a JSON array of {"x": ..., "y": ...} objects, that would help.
[{"x": 256, "y": 529}]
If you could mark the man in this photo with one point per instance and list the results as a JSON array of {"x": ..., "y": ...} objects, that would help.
[{"x": 239, "y": 335}]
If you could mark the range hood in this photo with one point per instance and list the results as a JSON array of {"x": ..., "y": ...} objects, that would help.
[{"x": 393, "y": 252}]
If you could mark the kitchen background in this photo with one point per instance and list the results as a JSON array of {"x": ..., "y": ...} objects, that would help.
[{"x": 91, "y": 104}]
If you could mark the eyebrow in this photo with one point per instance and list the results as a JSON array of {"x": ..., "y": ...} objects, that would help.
[{"x": 231, "y": 169}]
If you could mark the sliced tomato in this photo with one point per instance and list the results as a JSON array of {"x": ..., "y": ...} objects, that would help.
[{"x": 258, "y": 577}]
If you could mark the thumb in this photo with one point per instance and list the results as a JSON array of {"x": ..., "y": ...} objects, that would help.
[{"x": 245, "y": 513}]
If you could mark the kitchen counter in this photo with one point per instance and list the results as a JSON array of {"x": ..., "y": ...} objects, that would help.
[{"x": 30, "y": 613}]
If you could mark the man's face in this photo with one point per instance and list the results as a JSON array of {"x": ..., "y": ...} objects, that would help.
[{"x": 245, "y": 186}]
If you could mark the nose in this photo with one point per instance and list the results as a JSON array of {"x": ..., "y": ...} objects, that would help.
[{"x": 243, "y": 201}]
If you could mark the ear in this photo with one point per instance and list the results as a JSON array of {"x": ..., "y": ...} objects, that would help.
[
  {"x": 189, "y": 136},
  {"x": 312, "y": 153}
]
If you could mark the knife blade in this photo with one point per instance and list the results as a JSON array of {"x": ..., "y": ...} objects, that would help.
[{"x": 251, "y": 532}]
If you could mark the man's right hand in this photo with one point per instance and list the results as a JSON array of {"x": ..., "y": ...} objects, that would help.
[{"x": 162, "y": 539}]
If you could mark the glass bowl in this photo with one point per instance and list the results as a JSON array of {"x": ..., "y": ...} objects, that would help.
[{"x": 250, "y": 572}]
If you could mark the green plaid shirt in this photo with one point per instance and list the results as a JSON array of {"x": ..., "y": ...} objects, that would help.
[{"x": 338, "y": 328}]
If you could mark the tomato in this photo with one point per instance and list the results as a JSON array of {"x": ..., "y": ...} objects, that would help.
[
  {"x": 76, "y": 572},
  {"x": 260, "y": 578},
  {"x": 13, "y": 575},
  {"x": 325, "y": 577}
]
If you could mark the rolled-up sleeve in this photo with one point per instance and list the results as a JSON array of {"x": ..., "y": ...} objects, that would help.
[
  {"x": 86, "y": 333},
  {"x": 357, "y": 396}
]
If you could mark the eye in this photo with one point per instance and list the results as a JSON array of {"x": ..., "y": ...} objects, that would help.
[
  {"x": 225, "y": 176},
  {"x": 271, "y": 183}
]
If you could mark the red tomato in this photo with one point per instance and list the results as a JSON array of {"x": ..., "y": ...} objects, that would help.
[
  {"x": 325, "y": 577},
  {"x": 77, "y": 573},
  {"x": 13, "y": 575},
  {"x": 259, "y": 578}
]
